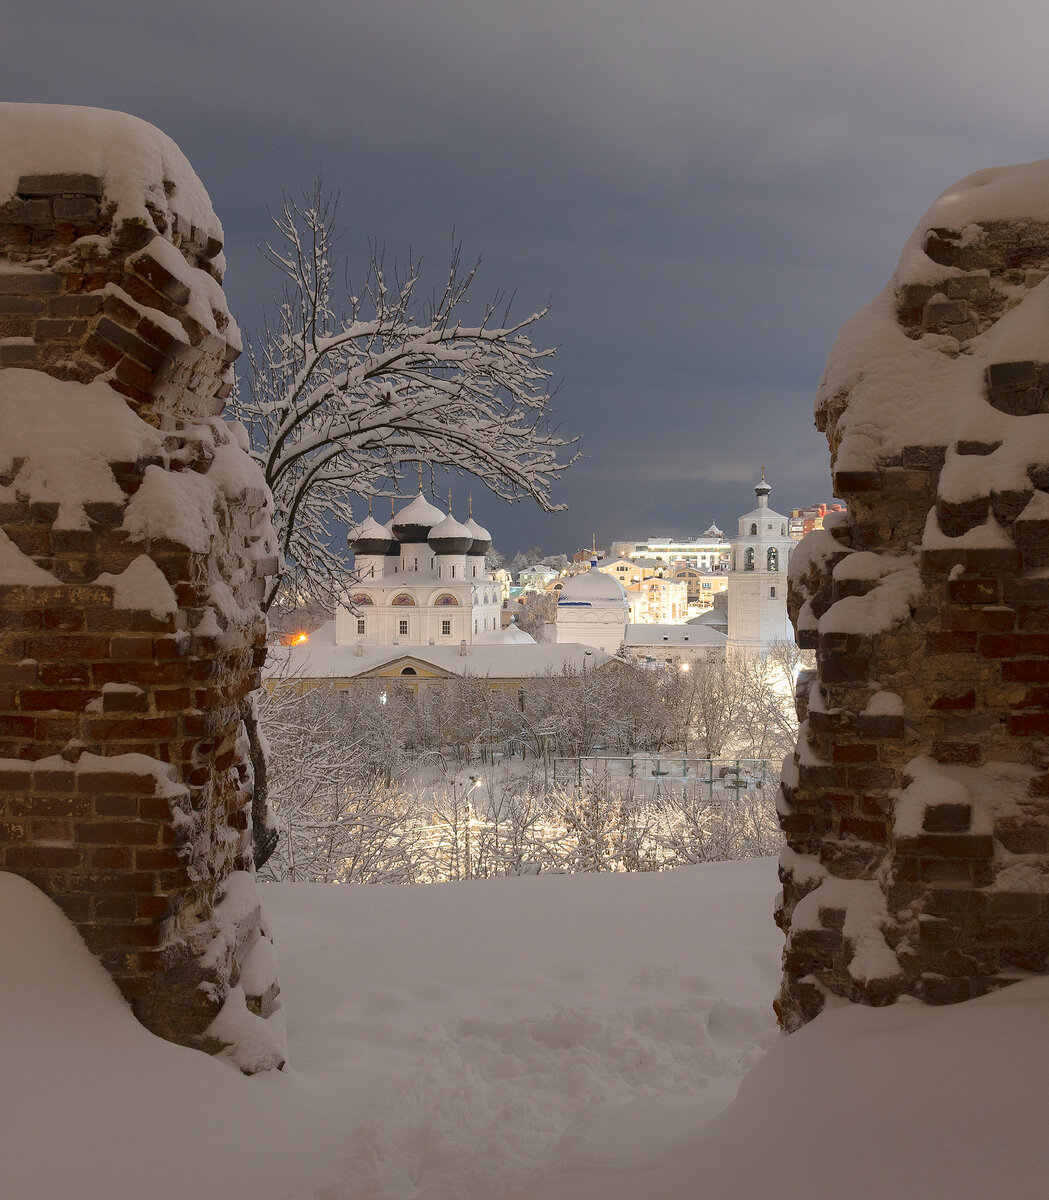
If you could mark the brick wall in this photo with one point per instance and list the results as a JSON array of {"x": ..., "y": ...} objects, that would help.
[
  {"x": 125, "y": 783},
  {"x": 916, "y": 809}
]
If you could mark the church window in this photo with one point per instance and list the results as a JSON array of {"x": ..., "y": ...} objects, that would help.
[
  {"x": 446, "y": 629},
  {"x": 783, "y": 531},
  {"x": 753, "y": 531},
  {"x": 402, "y": 628},
  {"x": 446, "y": 598},
  {"x": 360, "y": 625},
  {"x": 773, "y": 559},
  {"x": 748, "y": 559},
  {"x": 772, "y": 593},
  {"x": 359, "y": 599},
  {"x": 402, "y": 600},
  {"x": 409, "y": 671},
  {"x": 475, "y": 624}
]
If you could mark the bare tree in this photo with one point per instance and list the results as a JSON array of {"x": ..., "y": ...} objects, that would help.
[{"x": 345, "y": 390}]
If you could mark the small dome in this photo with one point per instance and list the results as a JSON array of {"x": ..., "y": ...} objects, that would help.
[
  {"x": 592, "y": 587},
  {"x": 414, "y": 522},
  {"x": 450, "y": 537},
  {"x": 762, "y": 488},
  {"x": 369, "y": 537},
  {"x": 482, "y": 542}
]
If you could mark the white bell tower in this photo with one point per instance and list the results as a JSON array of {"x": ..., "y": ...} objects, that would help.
[{"x": 757, "y": 583}]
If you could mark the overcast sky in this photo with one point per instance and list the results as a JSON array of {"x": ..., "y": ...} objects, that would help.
[{"x": 704, "y": 191}]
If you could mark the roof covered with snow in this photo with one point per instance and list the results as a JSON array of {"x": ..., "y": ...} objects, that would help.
[
  {"x": 321, "y": 658},
  {"x": 639, "y": 634},
  {"x": 592, "y": 587}
]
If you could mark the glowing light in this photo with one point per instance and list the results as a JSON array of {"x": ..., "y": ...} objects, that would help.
[{"x": 299, "y": 638}]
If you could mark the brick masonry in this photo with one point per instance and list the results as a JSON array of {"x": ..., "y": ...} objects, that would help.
[
  {"x": 916, "y": 809},
  {"x": 140, "y": 856}
]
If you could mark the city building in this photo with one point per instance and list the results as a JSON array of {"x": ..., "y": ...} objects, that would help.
[
  {"x": 707, "y": 551},
  {"x": 658, "y": 599},
  {"x": 805, "y": 520}
]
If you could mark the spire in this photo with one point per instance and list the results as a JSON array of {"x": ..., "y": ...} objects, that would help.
[
  {"x": 449, "y": 501},
  {"x": 420, "y": 466}
]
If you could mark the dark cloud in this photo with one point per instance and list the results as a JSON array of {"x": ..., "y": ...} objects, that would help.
[{"x": 705, "y": 191}]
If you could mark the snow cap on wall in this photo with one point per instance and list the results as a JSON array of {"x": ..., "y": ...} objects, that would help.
[{"x": 142, "y": 170}]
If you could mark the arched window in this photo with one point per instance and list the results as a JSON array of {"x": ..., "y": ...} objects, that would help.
[
  {"x": 409, "y": 671},
  {"x": 753, "y": 531},
  {"x": 359, "y": 599},
  {"x": 446, "y": 598},
  {"x": 402, "y": 599},
  {"x": 748, "y": 559},
  {"x": 773, "y": 559}
]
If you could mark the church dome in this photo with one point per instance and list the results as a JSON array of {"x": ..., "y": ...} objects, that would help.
[
  {"x": 762, "y": 488},
  {"x": 414, "y": 522},
  {"x": 482, "y": 539},
  {"x": 592, "y": 587},
  {"x": 450, "y": 537},
  {"x": 369, "y": 537}
]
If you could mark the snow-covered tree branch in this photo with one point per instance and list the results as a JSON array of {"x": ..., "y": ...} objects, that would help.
[{"x": 345, "y": 390}]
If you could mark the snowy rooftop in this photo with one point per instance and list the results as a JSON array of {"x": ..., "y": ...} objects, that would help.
[
  {"x": 321, "y": 658},
  {"x": 641, "y": 635},
  {"x": 591, "y": 587}
]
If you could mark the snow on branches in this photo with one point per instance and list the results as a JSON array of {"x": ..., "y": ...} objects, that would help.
[{"x": 347, "y": 390}]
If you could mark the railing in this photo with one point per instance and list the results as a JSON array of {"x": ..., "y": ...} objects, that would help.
[{"x": 654, "y": 774}]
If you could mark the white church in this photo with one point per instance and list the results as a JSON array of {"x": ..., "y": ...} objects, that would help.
[
  {"x": 422, "y": 582},
  {"x": 592, "y": 607}
]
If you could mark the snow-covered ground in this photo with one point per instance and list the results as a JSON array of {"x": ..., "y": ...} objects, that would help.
[{"x": 563, "y": 1037}]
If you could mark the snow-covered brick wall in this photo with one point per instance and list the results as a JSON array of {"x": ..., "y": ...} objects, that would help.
[
  {"x": 135, "y": 536},
  {"x": 922, "y": 756}
]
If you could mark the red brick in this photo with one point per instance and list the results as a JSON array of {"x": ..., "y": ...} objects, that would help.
[
  {"x": 955, "y": 642},
  {"x": 117, "y": 833},
  {"x": 1025, "y": 670},
  {"x": 1022, "y": 724},
  {"x": 855, "y": 753},
  {"x": 110, "y": 858}
]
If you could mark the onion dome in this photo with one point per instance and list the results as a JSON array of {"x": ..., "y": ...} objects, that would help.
[
  {"x": 414, "y": 522},
  {"x": 369, "y": 537},
  {"x": 450, "y": 537},
  {"x": 482, "y": 542},
  {"x": 762, "y": 488}
]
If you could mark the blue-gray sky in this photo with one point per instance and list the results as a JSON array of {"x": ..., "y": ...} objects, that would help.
[{"x": 704, "y": 191}]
